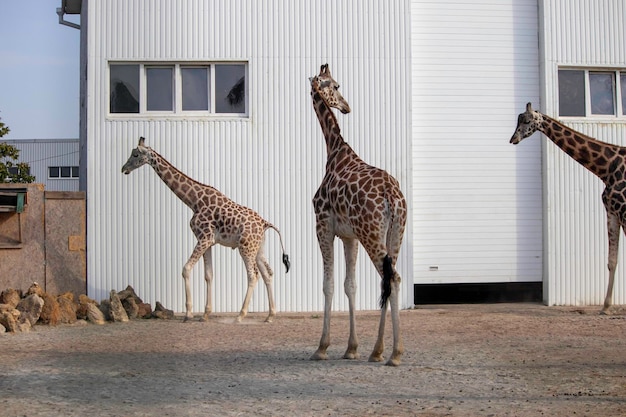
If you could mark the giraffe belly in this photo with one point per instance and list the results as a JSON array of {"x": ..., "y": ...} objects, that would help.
[{"x": 343, "y": 229}]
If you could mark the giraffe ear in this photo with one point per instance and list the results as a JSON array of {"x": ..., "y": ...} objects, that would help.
[
  {"x": 529, "y": 107},
  {"x": 142, "y": 141},
  {"x": 324, "y": 69}
]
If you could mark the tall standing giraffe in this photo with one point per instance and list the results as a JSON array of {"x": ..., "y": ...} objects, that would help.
[
  {"x": 358, "y": 203},
  {"x": 216, "y": 220},
  {"x": 605, "y": 160}
]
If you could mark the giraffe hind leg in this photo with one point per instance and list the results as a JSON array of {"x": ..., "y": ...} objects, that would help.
[
  {"x": 268, "y": 276},
  {"x": 613, "y": 226}
]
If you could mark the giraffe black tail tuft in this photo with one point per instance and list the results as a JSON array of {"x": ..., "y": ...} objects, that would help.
[
  {"x": 386, "y": 284},
  {"x": 286, "y": 262}
]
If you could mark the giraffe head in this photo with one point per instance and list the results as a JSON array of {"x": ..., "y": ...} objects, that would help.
[
  {"x": 138, "y": 157},
  {"x": 328, "y": 88},
  {"x": 527, "y": 124}
]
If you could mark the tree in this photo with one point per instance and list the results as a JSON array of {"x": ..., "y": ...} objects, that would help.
[{"x": 10, "y": 169}]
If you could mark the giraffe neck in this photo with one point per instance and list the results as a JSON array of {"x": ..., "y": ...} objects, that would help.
[
  {"x": 178, "y": 182},
  {"x": 593, "y": 154},
  {"x": 328, "y": 123}
]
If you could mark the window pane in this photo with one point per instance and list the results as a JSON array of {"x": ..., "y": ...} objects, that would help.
[
  {"x": 622, "y": 79},
  {"x": 195, "y": 88},
  {"x": 602, "y": 88},
  {"x": 66, "y": 172},
  {"x": 230, "y": 86},
  {"x": 571, "y": 93},
  {"x": 74, "y": 172},
  {"x": 159, "y": 89},
  {"x": 124, "y": 85},
  {"x": 53, "y": 172}
]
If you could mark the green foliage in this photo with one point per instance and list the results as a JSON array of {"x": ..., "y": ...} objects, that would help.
[{"x": 9, "y": 156}]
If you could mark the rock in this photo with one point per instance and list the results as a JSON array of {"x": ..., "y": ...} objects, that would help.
[
  {"x": 131, "y": 307},
  {"x": 2, "y": 329},
  {"x": 144, "y": 310},
  {"x": 9, "y": 318},
  {"x": 30, "y": 308},
  {"x": 35, "y": 289},
  {"x": 51, "y": 311},
  {"x": 11, "y": 297},
  {"x": 83, "y": 302},
  {"x": 67, "y": 308},
  {"x": 129, "y": 292},
  {"x": 93, "y": 314},
  {"x": 117, "y": 309},
  {"x": 161, "y": 312},
  {"x": 105, "y": 309}
]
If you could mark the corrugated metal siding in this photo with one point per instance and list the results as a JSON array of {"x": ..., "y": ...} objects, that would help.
[
  {"x": 271, "y": 162},
  {"x": 43, "y": 153},
  {"x": 589, "y": 34},
  {"x": 476, "y": 198}
]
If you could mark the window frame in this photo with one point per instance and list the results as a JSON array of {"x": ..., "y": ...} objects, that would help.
[
  {"x": 72, "y": 169},
  {"x": 178, "y": 111},
  {"x": 618, "y": 100}
]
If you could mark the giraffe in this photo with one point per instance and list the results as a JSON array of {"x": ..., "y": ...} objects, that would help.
[
  {"x": 216, "y": 220},
  {"x": 358, "y": 203},
  {"x": 605, "y": 160}
]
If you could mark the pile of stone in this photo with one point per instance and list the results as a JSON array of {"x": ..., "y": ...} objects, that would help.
[{"x": 19, "y": 312}]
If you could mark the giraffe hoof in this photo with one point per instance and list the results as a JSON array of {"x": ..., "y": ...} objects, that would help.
[
  {"x": 393, "y": 362},
  {"x": 269, "y": 319},
  {"x": 319, "y": 356},
  {"x": 187, "y": 319},
  {"x": 204, "y": 318},
  {"x": 376, "y": 358},
  {"x": 351, "y": 355}
]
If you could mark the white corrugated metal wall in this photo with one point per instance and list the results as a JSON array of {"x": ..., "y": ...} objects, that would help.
[
  {"x": 43, "y": 153},
  {"x": 590, "y": 35},
  {"x": 272, "y": 161},
  {"x": 476, "y": 198}
]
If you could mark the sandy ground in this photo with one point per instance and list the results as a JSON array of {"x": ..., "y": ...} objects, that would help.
[{"x": 462, "y": 360}]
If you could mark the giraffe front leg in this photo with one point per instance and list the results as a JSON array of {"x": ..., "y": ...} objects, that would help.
[
  {"x": 351, "y": 247},
  {"x": 613, "y": 227},
  {"x": 208, "y": 278},
  {"x": 188, "y": 303},
  {"x": 328, "y": 288},
  {"x": 201, "y": 247}
]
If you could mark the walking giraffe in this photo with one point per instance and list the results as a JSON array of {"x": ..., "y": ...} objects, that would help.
[
  {"x": 216, "y": 220},
  {"x": 605, "y": 160},
  {"x": 358, "y": 203}
]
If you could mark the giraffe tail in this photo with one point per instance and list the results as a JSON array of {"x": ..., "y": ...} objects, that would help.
[
  {"x": 386, "y": 284},
  {"x": 285, "y": 256}
]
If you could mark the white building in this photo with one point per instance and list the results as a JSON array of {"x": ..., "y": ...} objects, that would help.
[
  {"x": 53, "y": 162},
  {"x": 435, "y": 89}
]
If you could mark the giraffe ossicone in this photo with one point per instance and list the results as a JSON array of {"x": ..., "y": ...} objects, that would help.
[
  {"x": 356, "y": 202},
  {"x": 605, "y": 160},
  {"x": 216, "y": 220}
]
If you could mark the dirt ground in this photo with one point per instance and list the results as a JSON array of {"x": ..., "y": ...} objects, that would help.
[{"x": 460, "y": 360}]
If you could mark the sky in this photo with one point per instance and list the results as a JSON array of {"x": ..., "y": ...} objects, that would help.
[{"x": 39, "y": 71}]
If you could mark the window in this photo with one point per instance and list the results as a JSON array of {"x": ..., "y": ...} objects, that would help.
[
  {"x": 63, "y": 172},
  {"x": 179, "y": 88},
  {"x": 587, "y": 93}
]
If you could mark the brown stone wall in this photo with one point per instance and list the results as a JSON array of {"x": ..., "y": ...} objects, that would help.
[
  {"x": 45, "y": 243},
  {"x": 22, "y": 254},
  {"x": 66, "y": 266}
]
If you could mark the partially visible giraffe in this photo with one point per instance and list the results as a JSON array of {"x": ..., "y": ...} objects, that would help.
[
  {"x": 358, "y": 203},
  {"x": 605, "y": 160},
  {"x": 216, "y": 220}
]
